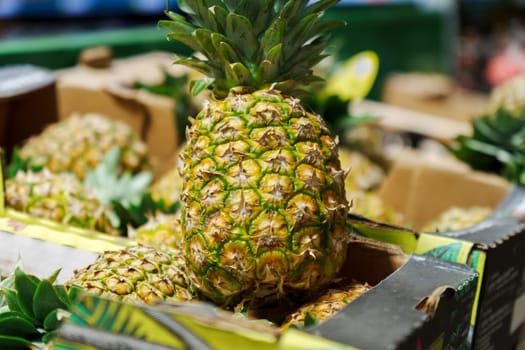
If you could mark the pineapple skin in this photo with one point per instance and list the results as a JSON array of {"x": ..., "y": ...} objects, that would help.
[
  {"x": 168, "y": 188},
  {"x": 264, "y": 199},
  {"x": 78, "y": 144},
  {"x": 162, "y": 230},
  {"x": 136, "y": 274},
  {"x": 510, "y": 96},
  {"x": 326, "y": 305},
  {"x": 58, "y": 197},
  {"x": 457, "y": 218}
]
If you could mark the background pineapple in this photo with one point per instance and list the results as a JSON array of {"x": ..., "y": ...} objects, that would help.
[
  {"x": 160, "y": 230},
  {"x": 363, "y": 174},
  {"x": 168, "y": 188},
  {"x": 457, "y": 218},
  {"x": 263, "y": 197},
  {"x": 78, "y": 144},
  {"x": 325, "y": 306},
  {"x": 496, "y": 143},
  {"x": 58, "y": 197},
  {"x": 510, "y": 96},
  {"x": 137, "y": 274}
]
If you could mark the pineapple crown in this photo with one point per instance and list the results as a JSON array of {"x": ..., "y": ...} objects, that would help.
[{"x": 252, "y": 43}]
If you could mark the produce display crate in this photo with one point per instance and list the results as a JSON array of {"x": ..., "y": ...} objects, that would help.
[
  {"x": 417, "y": 301},
  {"x": 495, "y": 247}
]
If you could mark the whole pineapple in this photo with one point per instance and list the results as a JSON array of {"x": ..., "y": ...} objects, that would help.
[
  {"x": 168, "y": 188},
  {"x": 457, "y": 218},
  {"x": 370, "y": 205},
  {"x": 363, "y": 174},
  {"x": 325, "y": 306},
  {"x": 263, "y": 196},
  {"x": 160, "y": 230},
  {"x": 58, "y": 197},
  {"x": 137, "y": 274},
  {"x": 509, "y": 95},
  {"x": 78, "y": 144}
]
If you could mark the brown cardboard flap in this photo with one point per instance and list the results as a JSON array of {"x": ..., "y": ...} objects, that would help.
[
  {"x": 371, "y": 261},
  {"x": 422, "y": 188},
  {"x": 404, "y": 120}
]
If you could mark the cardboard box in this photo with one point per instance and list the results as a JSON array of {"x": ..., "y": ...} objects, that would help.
[
  {"x": 494, "y": 247},
  {"x": 109, "y": 91},
  {"x": 422, "y": 186},
  {"x": 417, "y": 303},
  {"x": 27, "y": 103}
]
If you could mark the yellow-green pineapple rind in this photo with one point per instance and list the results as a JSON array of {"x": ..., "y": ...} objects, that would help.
[
  {"x": 58, "y": 197},
  {"x": 138, "y": 274},
  {"x": 78, "y": 144},
  {"x": 263, "y": 195},
  {"x": 326, "y": 305},
  {"x": 162, "y": 230},
  {"x": 264, "y": 198}
]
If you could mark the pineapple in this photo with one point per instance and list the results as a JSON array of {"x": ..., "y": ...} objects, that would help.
[
  {"x": 371, "y": 206},
  {"x": 137, "y": 274},
  {"x": 168, "y": 188},
  {"x": 457, "y": 218},
  {"x": 160, "y": 230},
  {"x": 325, "y": 306},
  {"x": 510, "y": 96},
  {"x": 78, "y": 144},
  {"x": 264, "y": 203},
  {"x": 363, "y": 174},
  {"x": 58, "y": 197}
]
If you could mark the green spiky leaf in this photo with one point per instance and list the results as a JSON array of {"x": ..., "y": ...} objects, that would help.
[
  {"x": 52, "y": 320},
  {"x": 25, "y": 289},
  {"x": 137, "y": 214},
  {"x": 15, "y": 324},
  {"x": 14, "y": 343},
  {"x": 46, "y": 338},
  {"x": 18, "y": 164},
  {"x": 239, "y": 29},
  {"x": 110, "y": 188},
  {"x": 49, "y": 303},
  {"x": 496, "y": 145},
  {"x": 200, "y": 85},
  {"x": 248, "y": 32},
  {"x": 12, "y": 300},
  {"x": 310, "y": 320},
  {"x": 46, "y": 300},
  {"x": 7, "y": 284}
]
